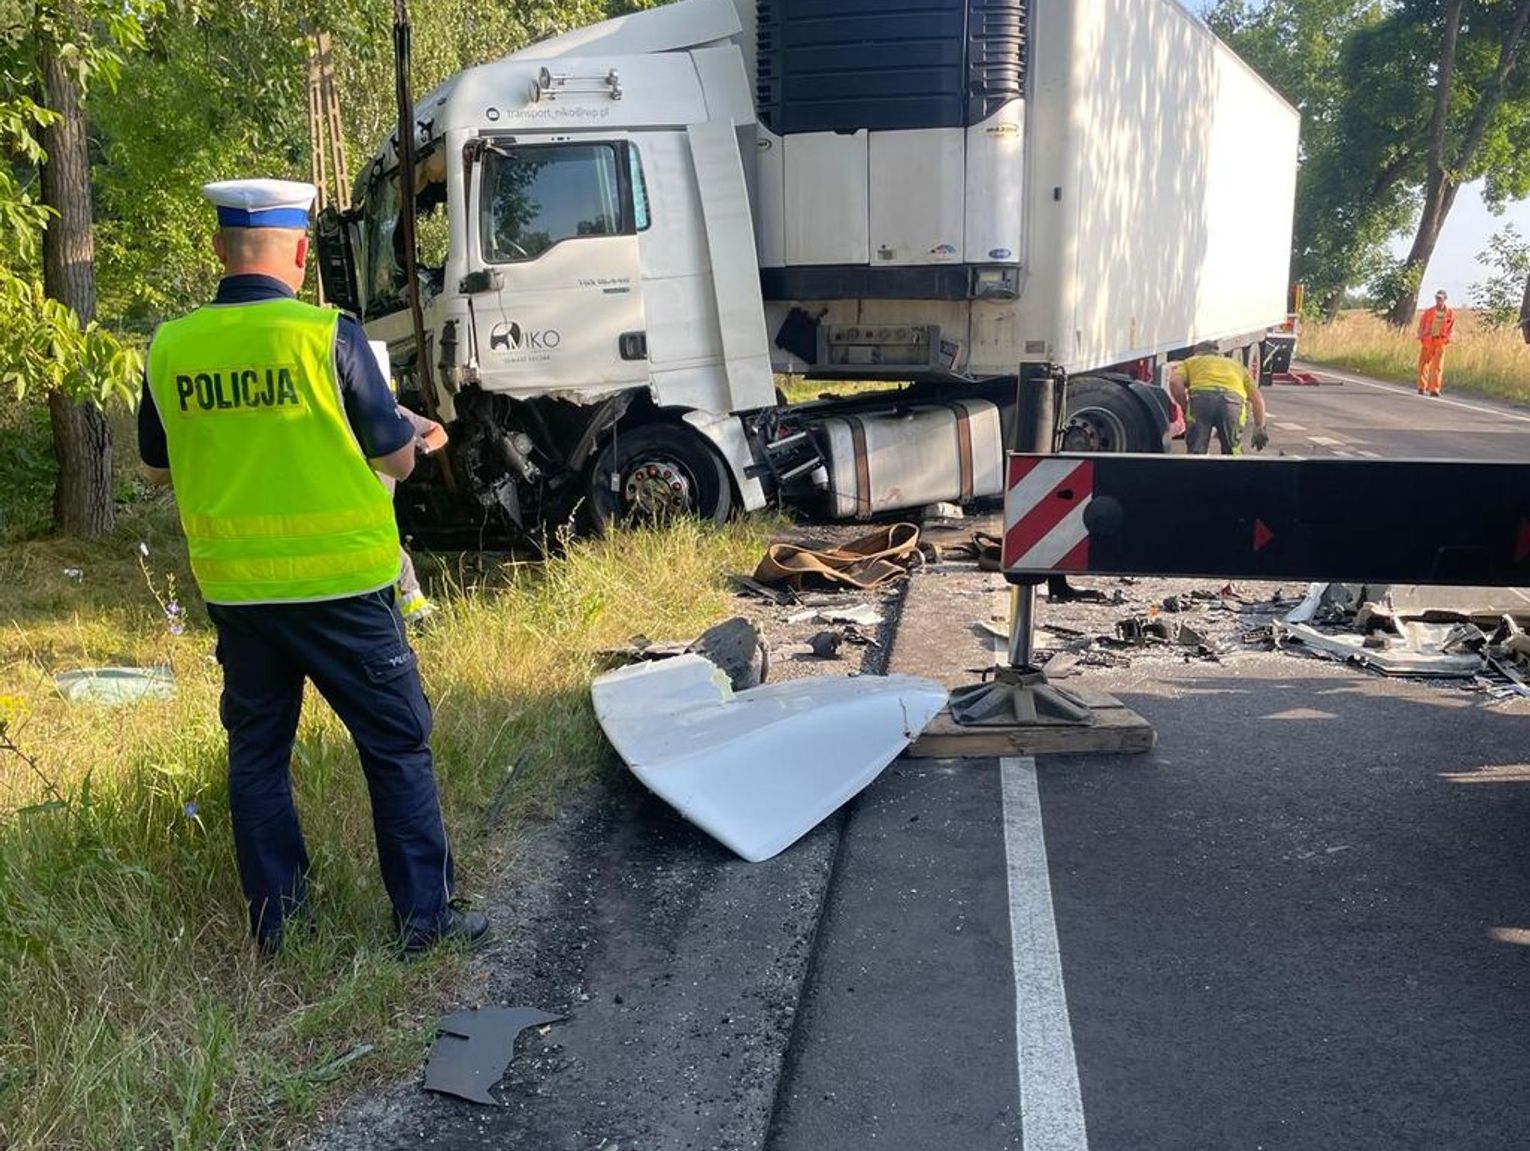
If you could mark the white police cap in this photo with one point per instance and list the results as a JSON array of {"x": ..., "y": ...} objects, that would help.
[{"x": 261, "y": 203}]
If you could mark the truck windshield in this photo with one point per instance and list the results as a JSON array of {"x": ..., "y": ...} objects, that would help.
[
  {"x": 538, "y": 196},
  {"x": 383, "y": 263},
  {"x": 383, "y": 270}
]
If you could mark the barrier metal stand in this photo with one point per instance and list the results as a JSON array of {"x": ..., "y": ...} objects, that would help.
[{"x": 1019, "y": 694}]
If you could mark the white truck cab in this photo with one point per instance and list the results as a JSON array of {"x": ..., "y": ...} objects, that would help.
[{"x": 627, "y": 231}]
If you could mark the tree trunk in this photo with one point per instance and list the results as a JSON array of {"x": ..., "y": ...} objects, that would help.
[
  {"x": 1441, "y": 186},
  {"x": 1439, "y": 196},
  {"x": 1524, "y": 314},
  {"x": 1438, "y": 189},
  {"x": 82, "y": 499},
  {"x": 82, "y": 443}
]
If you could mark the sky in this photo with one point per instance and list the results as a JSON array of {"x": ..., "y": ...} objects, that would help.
[{"x": 1467, "y": 231}]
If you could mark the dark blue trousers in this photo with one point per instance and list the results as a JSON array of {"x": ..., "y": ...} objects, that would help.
[{"x": 355, "y": 652}]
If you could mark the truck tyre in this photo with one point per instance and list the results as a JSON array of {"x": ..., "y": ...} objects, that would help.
[
  {"x": 663, "y": 471},
  {"x": 1104, "y": 416}
]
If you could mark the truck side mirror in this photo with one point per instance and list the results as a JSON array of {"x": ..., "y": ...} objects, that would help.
[{"x": 337, "y": 262}]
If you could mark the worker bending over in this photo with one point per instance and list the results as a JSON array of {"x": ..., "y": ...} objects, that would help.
[
  {"x": 1213, "y": 390},
  {"x": 1434, "y": 329}
]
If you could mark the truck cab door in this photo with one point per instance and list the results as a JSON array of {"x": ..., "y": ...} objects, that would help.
[
  {"x": 556, "y": 286},
  {"x": 335, "y": 246}
]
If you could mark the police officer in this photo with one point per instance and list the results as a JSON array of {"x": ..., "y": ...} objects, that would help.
[{"x": 271, "y": 418}]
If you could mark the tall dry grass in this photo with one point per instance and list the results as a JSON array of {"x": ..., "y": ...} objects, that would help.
[
  {"x": 1480, "y": 359},
  {"x": 136, "y": 1014}
]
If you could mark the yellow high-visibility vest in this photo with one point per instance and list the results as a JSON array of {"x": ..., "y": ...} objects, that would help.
[
  {"x": 275, "y": 494},
  {"x": 1203, "y": 373}
]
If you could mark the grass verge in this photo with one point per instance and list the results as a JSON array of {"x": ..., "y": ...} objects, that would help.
[
  {"x": 137, "y": 1015},
  {"x": 799, "y": 390},
  {"x": 1481, "y": 360}
]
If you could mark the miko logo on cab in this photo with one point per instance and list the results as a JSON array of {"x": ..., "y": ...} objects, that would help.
[{"x": 512, "y": 337}]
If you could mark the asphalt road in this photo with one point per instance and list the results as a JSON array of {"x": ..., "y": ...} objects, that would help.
[
  {"x": 1370, "y": 420},
  {"x": 1302, "y": 922}
]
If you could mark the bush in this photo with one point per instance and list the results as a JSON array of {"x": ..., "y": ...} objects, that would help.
[
  {"x": 1498, "y": 298},
  {"x": 27, "y": 469}
]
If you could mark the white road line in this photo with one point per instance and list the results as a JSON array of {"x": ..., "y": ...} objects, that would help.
[
  {"x": 1496, "y": 413},
  {"x": 1051, "y": 1109},
  {"x": 1342, "y": 452},
  {"x": 1288, "y": 427},
  {"x": 1368, "y": 455},
  {"x": 1327, "y": 441}
]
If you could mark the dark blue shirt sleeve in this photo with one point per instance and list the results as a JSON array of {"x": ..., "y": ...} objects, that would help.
[
  {"x": 152, "y": 447},
  {"x": 369, "y": 402}
]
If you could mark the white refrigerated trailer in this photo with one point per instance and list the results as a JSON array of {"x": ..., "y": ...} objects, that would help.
[{"x": 630, "y": 231}]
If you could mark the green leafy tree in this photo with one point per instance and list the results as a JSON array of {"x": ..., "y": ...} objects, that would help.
[
  {"x": 1346, "y": 206},
  {"x": 1403, "y": 102},
  {"x": 219, "y": 91},
  {"x": 1497, "y": 299},
  {"x": 53, "y": 53},
  {"x": 1469, "y": 118}
]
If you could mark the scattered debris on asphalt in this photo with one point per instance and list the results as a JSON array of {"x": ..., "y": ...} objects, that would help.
[
  {"x": 1416, "y": 656},
  {"x": 957, "y": 542},
  {"x": 825, "y": 644},
  {"x": 748, "y": 585},
  {"x": 1141, "y": 631},
  {"x": 862, "y": 613},
  {"x": 1059, "y": 590},
  {"x": 872, "y": 561},
  {"x": 1062, "y": 665},
  {"x": 735, "y": 645},
  {"x": 473, "y": 1049},
  {"x": 1430, "y": 638}
]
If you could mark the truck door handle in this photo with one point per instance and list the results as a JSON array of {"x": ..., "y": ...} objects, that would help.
[
  {"x": 483, "y": 280},
  {"x": 633, "y": 345}
]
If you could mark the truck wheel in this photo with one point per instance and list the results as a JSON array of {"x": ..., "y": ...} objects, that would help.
[
  {"x": 663, "y": 471},
  {"x": 1103, "y": 416}
]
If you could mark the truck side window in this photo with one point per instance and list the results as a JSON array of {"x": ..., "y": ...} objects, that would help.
[
  {"x": 538, "y": 196},
  {"x": 639, "y": 189}
]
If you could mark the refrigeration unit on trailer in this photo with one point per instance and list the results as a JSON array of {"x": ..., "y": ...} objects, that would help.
[{"x": 629, "y": 232}]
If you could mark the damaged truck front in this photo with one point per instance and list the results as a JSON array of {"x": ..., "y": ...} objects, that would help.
[{"x": 626, "y": 233}]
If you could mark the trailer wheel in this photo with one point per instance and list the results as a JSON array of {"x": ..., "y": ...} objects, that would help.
[
  {"x": 1103, "y": 416},
  {"x": 663, "y": 471}
]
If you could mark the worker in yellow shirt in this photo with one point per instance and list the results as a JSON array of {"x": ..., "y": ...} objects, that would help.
[
  {"x": 1213, "y": 391},
  {"x": 1435, "y": 326}
]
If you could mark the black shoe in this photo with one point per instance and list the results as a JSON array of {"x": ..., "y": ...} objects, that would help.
[
  {"x": 269, "y": 936},
  {"x": 468, "y": 929}
]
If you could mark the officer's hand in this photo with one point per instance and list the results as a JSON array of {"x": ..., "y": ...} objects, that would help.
[
  {"x": 1260, "y": 439},
  {"x": 431, "y": 438}
]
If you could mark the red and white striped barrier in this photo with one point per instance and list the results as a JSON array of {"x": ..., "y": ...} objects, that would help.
[
  {"x": 1271, "y": 518},
  {"x": 1044, "y": 503}
]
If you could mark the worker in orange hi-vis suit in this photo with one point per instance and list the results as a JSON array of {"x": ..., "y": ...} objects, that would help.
[{"x": 1434, "y": 327}]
